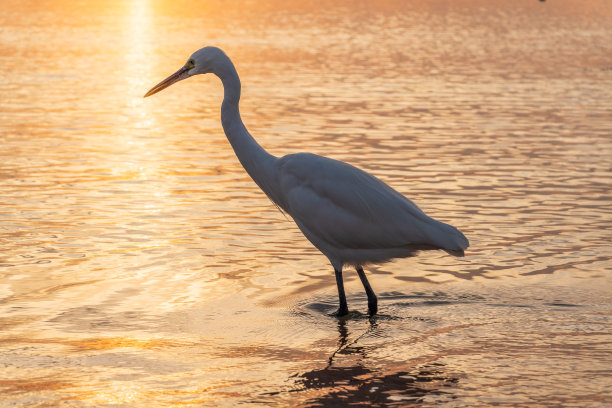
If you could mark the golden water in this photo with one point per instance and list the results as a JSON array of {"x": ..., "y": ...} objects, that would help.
[{"x": 141, "y": 267}]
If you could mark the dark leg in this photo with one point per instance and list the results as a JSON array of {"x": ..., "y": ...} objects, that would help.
[
  {"x": 343, "y": 309},
  {"x": 372, "y": 301}
]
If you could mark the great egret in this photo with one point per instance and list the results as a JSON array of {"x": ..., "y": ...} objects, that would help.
[{"x": 352, "y": 217}]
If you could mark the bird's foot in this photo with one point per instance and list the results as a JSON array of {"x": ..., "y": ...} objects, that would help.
[
  {"x": 341, "y": 312},
  {"x": 372, "y": 304},
  {"x": 372, "y": 308}
]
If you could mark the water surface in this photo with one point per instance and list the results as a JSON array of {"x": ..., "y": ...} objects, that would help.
[{"x": 141, "y": 267}]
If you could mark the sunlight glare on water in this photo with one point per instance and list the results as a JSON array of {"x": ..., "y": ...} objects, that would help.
[{"x": 141, "y": 267}]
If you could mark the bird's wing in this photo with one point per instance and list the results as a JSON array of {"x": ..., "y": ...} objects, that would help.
[{"x": 349, "y": 208}]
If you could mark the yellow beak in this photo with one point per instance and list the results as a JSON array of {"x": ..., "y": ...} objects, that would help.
[{"x": 179, "y": 75}]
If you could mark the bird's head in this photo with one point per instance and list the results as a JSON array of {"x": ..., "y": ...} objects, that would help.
[{"x": 204, "y": 61}]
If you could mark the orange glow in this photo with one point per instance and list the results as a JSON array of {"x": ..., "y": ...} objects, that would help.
[{"x": 140, "y": 266}]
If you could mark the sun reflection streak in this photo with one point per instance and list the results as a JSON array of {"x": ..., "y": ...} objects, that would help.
[
  {"x": 138, "y": 45},
  {"x": 142, "y": 162},
  {"x": 137, "y": 48}
]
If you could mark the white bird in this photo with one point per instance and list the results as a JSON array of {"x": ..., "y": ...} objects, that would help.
[{"x": 352, "y": 217}]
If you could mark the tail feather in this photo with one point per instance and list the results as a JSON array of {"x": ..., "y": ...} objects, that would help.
[
  {"x": 457, "y": 253},
  {"x": 448, "y": 238}
]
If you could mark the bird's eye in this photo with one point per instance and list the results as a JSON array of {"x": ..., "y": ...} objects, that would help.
[{"x": 190, "y": 63}]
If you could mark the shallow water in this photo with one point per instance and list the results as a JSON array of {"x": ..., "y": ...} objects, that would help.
[{"x": 140, "y": 266}]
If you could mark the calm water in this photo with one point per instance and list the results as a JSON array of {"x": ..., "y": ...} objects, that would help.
[{"x": 141, "y": 267}]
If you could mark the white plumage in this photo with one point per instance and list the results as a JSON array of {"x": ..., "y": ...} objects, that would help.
[{"x": 352, "y": 217}]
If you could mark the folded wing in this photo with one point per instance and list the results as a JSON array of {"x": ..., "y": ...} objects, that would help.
[{"x": 349, "y": 208}]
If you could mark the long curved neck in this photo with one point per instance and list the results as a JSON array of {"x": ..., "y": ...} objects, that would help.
[{"x": 258, "y": 163}]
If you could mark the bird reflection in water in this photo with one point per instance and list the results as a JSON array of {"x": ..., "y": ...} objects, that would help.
[{"x": 360, "y": 383}]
